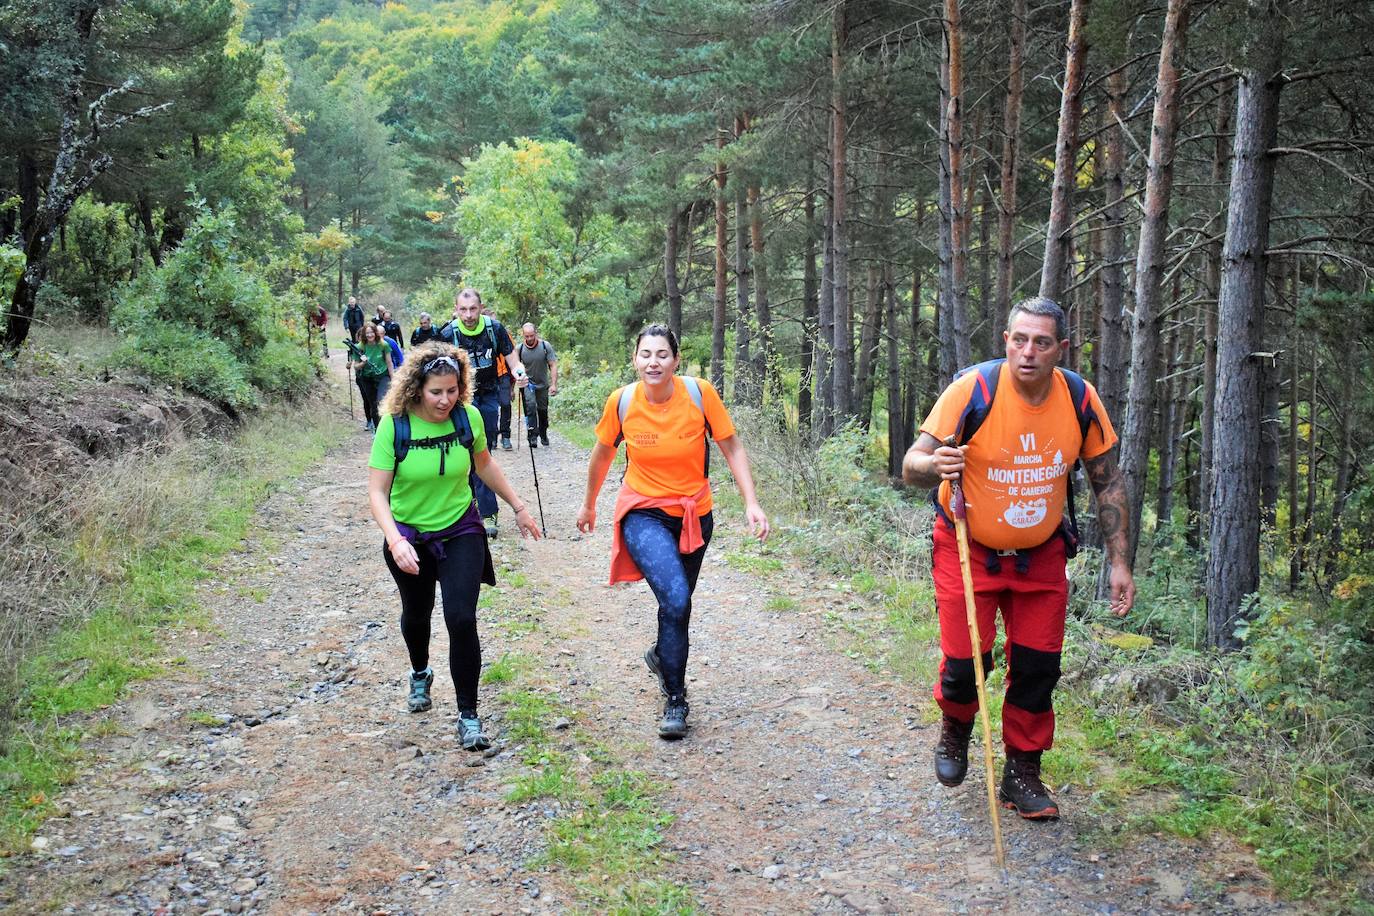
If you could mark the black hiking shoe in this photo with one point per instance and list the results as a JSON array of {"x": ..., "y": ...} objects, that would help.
[
  {"x": 951, "y": 753},
  {"x": 1022, "y": 789},
  {"x": 420, "y": 681},
  {"x": 544, "y": 439},
  {"x": 673, "y": 725},
  {"x": 651, "y": 659}
]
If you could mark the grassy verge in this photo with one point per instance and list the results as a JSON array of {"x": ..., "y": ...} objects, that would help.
[
  {"x": 607, "y": 838},
  {"x": 133, "y": 550}
]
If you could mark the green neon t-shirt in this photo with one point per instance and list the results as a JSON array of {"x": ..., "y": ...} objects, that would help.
[{"x": 421, "y": 497}]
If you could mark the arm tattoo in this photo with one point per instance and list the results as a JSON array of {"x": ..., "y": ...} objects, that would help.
[{"x": 1112, "y": 511}]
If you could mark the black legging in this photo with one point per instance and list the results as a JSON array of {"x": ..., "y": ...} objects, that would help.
[
  {"x": 459, "y": 574},
  {"x": 367, "y": 386}
]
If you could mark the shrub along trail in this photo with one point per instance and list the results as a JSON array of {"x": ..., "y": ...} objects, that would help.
[{"x": 271, "y": 767}]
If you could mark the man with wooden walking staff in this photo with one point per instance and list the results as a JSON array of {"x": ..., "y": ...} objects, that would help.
[{"x": 1017, "y": 426}]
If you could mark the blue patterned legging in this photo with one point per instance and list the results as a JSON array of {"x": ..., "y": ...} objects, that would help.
[{"x": 651, "y": 537}]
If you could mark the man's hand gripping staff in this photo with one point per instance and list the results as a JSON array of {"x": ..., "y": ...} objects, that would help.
[{"x": 960, "y": 512}]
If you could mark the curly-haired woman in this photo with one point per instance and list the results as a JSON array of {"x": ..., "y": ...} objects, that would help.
[
  {"x": 373, "y": 370},
  {"x": 417, "y": 486}
]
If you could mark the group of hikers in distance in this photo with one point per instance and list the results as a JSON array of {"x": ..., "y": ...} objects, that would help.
[{"x": 1008, "y": 432}]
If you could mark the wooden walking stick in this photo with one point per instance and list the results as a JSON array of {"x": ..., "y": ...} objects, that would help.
[{"x": 960, "y": 512}]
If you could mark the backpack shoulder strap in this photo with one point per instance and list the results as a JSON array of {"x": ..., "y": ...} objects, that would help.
[
  {"x": 400, "y": 439},
  {"x": 462, "y": 425},
  {"x": 694, "y": 392},
  {"x": 980, "y": 400},
  {"x": 1082, "y": 401},
  {"x": 627, "y": 394}
]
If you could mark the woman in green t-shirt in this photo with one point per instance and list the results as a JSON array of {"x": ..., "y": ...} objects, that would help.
[
  {"x": 373, "y": 372},
  {"x": 434, "y": 535}
]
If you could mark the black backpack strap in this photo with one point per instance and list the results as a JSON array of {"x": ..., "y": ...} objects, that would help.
[
  {"x": 980, "y": 399},
  {"x": 400, "y": 439}
]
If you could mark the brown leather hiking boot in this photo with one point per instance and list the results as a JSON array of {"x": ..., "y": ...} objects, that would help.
[
  {"x": 1022, "y": 789},
  {"x": 951, "y": 753}
]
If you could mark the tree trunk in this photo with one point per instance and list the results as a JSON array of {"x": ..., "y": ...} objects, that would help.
[
  {"x": 1011, "y": 142},
  {"x": 992, "y": 326},
  {"x": 810, "y": 311},
  {"x": 955, "y": 306},
  {"x": 825, "y": 332},
  {"x": 718, "y": 313},
  {"x": 1109, "y": 363},
  {"x": 896, "y": 428},
  {"x": 670, "y": 284},
  {"x": 1221, "y": 157},
  {"x": 1233, "y": 561},
  {"x": 144, "y": 209},
  {"x": 764, "y": 368},
  {"x": 1151, "y": 256},
  {"x": 1294, "y": 398},
  {"x": 868, "y": 349},
  {"x": 1057, "y": 242},
  {"x": 1269, "y": 441},
  {"x": 745, "y": 383},
  {"x": 844, "y": 323}
]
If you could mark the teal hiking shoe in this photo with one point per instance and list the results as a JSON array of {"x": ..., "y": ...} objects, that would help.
[
  {"x": 420, "y": 682},
  {"x": 470, "y": 733}
]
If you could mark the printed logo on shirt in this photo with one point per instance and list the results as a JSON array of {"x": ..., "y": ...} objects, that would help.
[{"x": 1026, "y": 478}]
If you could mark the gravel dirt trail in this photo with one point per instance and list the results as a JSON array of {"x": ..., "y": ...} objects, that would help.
[{"x": 273, "y": 769}]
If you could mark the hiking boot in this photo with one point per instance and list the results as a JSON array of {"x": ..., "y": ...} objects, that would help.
[
  {"x": 951, "y": 753},
  {"x": 1022, "y": 789},
  {"x": 505, "y": 443},
  {"x": 534, "y": 443},
  {"x": 544, "y": 439},
  {"x": 470, "y": 732},
  {"x": 651, "y": 659},
  {"x": 490, "y": 522},
  {"x": 673, "y": 725},
  {"x": 420, "y": 682}
]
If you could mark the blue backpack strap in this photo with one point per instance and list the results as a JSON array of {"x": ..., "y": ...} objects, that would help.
[
  {"x": 980, "y": 400},
  {"x": 694, "y": 391}
]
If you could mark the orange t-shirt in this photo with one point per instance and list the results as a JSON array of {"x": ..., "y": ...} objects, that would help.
[
  {"x": 1017, "y": 464},
  {"x": 665, "y": 444}
]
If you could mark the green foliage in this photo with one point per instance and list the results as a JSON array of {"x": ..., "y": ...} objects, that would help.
[
  {"x": 581, "y": 400},
  {"x": 96, "y": 256},
  {"x": 207, "y": 322}
]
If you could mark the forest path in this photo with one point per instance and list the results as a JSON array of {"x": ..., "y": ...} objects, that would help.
[{"x": 274, "y": 769}]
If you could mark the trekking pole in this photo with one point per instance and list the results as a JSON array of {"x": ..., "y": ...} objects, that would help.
[
  {"x": 960, "y": 512},
  {"x": 538, "y": 498},
  {"x": 351, "y": 414}
]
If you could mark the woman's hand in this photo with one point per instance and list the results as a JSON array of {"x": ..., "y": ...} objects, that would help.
[
  {"x": 586, "y": 520},
  {"x": 525, "y": 520},
  {"x": 758, "y": 522},
  {"x": 403, "y": 552}
]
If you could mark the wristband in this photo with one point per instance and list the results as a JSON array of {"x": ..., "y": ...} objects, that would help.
[{"x": 522, "y": 509}]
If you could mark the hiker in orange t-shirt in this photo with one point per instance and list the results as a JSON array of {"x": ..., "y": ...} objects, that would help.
[
  {"x": 1015, "y": 469},
  {"x": 663, "y": 518}
]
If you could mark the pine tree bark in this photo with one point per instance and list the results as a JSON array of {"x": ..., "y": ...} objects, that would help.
[
  {"x": 1294, "y": 398},
  {"x": 764, "y": 368},
  {"x": 1233, "y": 559},
  {"x": 896, "y": 432},
  {"x": 1054, "y": 271},
  {"x": 1221, "y": 158},
  {"x": 955, "y": 294},
  {"x": 1011, "y": 144},
  {"x": 670, "y": 282},
  {"x": 843, "y": 352},
  {"x": 810, "y": 310},
  {"x": 745, "y": 382},
  {"x": 718, "y": 312},
  {"x": 825, "y": 332},
  {"x": 868, "y": 349},
  {"x": 1109, "y": 369},
  {"x": 1151, "y": 256}
]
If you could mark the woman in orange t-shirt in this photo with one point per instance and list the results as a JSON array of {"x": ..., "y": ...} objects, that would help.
[{"x": 663, "y": 519}]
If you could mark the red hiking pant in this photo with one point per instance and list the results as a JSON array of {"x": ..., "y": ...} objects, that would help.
[{"x": 1034, "y": 604}]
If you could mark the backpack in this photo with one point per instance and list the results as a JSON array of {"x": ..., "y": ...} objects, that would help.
[
  {"x": 980, "y": 405},
  {"x": 462, "y": 434},
  {"x": 627, "y": 395},
  {"x": 397, "y": 357},
  {"x": 487, "y": 325}
]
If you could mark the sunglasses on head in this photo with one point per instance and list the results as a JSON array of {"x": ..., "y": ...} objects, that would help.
[{"x": 440, "y": 361}]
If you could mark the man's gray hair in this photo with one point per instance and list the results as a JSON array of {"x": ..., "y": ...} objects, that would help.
[
  {"x": 424, "y": 315},
  {"x": 1045, "y": 307}
]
